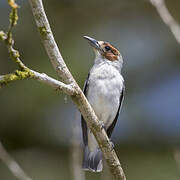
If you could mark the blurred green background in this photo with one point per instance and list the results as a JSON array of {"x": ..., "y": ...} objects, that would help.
[{"x": 36, "y": 122}]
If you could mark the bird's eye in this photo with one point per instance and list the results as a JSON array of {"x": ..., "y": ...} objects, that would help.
[{"x": 107, "y": 48}]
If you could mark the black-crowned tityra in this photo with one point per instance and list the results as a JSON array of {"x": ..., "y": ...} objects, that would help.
[{"x": 104, "y": 89}]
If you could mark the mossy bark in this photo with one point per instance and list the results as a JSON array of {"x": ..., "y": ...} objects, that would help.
[{"x": 17, "y": 75}]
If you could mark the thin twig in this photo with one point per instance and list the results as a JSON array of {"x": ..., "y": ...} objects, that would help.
[
  {"x": 79, "y": 99},
  {"x": 167, "y": 18},
  {"x": 13, "y": 166}
]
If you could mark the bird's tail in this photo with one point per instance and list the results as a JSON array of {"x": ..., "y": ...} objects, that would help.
[{"x": 92, "y": 161}]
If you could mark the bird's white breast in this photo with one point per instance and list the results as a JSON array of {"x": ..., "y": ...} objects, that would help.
[
  {"x": 104, "y": 90},
  {"x": 105, "y": 86}
]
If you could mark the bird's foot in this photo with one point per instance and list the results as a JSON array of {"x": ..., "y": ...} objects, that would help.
[
  {"x": 102, "y": 125},
  {"x": 112, "y": 145}
]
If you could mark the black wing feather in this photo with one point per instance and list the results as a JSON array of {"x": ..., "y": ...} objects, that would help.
[
  {"x": 111, "y": 127},
  {"x": 83, "y": 122}
]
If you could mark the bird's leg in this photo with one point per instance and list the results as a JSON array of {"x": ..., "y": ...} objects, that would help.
[{"x": 103, "y": 127}]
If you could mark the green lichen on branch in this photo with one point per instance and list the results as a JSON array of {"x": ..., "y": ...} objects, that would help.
[
  {"x": 13, "y": 17},
  {"x": 23, "y": 72},
  {"x": 17, "y": 75},
  {"x": 14, "y": 54},
  {"x": 3, "y": 35},
  {"x": 43, "y": 31}
]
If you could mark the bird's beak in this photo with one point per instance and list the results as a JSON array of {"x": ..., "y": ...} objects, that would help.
[{"x": 94, "y": 43}]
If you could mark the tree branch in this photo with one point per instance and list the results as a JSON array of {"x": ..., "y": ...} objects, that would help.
[
  {"x": 12, "y": 164},
  {"x": 41, "y": 77},
  {"x": 167, "y": 18},
  {"x": 79, "y": 99},
  {"x": 17, "y": 75},
  {"x": 66, "y": 88}
]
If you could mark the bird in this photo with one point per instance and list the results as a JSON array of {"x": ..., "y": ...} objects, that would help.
[{"x": 104, "y": 89}]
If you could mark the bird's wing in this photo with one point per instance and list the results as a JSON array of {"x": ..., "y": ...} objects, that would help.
[
  {"x": 111, "y": 127},
  {"x": 83, "y": 122}
]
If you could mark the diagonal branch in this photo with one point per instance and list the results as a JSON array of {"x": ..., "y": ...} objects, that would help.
[
  {"x": 167, "y": 18},
  {"x": 79, "y": 99},
  {"x": 12, "y": 165}
]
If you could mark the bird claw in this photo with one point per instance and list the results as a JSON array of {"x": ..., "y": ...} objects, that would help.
[
  {"x": 112, "y": 145},
  {"x": 102, "y": 125}
]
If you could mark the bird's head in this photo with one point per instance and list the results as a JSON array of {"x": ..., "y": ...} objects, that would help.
[{"x": 104, "y": 50}]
